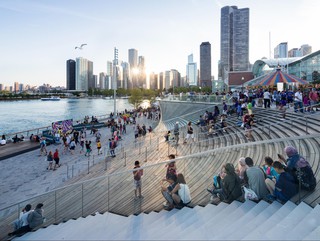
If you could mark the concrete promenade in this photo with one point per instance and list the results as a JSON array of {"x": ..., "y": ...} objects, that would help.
[{"x": 26, "y": 175}]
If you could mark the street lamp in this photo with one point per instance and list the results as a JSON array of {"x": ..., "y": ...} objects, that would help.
[{"x": 242, "y": 81}]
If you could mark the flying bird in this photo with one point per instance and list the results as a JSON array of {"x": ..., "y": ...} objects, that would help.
[{"x": 81, "y": 46}]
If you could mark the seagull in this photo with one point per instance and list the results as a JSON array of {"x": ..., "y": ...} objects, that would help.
[{"x": 81, "y": 46}]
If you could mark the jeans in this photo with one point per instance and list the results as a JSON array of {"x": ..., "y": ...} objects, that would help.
[{"x": 298, "y": 106}]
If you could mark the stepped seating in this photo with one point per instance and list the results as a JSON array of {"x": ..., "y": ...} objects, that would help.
[
  {"x": 198, "y": 171},
  {"x": 237, "y": 221}
]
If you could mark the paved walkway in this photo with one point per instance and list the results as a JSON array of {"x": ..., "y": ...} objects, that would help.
[{"x": 25, "y": 176}]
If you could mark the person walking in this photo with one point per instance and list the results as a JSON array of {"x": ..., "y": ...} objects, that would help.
[
  {"x": 189, "y": 133},
  {"x": 137, "y": 180},
  {"x": 99, "y": 147},
  {"x": 56, "y": 159},
  {"x": 176, "y": 132}
]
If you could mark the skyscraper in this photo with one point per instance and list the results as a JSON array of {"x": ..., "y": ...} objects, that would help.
[
  {"x": 205, "y": 64},
  {"x": 192, "y": 72},
  {"x": 81, "y": 74},
  {"x": 234, "y": 40},
  {"x": 71, "y": 74},
  {"x": 305, "y": 49},
  {"x": 281, "y": 50}
]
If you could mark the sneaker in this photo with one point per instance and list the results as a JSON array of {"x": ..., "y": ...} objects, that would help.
[{"x": 210, "y": 191}]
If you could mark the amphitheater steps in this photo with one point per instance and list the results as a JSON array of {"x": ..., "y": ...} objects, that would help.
[{"x": 258, "y": 221}]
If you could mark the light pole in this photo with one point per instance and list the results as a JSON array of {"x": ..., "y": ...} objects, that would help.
[
  {"x": 115, "y": 77},
  {"x": 242, "y": 81}
]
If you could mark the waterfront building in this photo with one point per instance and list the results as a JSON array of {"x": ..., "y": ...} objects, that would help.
[
  {"x": 192, "y": 72},
  {"x": 302, "y": 67},
  {"x": 281, "y": 50},
  {"x": 234, "y": 40},
  {"x": 71, "y": 74},
  {"x": 102, "y": 77},
  {"x": 205, "y": 64},
  {"x": 168, "y": 77},
  {"x": 125, "y": 75},
  {"x": 176, "y": 78},
  {"x": 82, "y": 74}
]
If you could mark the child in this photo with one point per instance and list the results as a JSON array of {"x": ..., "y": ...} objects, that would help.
[
  {"x": 137, "y": 180},
  {"x": 99, "y": 146}
]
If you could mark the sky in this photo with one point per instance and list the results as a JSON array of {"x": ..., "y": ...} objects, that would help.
[{"x": 38, "y": 36}]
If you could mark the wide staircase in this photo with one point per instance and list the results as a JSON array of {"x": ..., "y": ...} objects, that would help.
[
  {"x": 111, "y": 196},
  {"x": 236, "y": 221}
]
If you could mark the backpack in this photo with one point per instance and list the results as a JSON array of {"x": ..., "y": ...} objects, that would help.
[
  {"x": 114, "y": 144},
  {"x": 307, "y": 178}
]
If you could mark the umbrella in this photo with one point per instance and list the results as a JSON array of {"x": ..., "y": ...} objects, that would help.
[{"x": 280, "y": 77}]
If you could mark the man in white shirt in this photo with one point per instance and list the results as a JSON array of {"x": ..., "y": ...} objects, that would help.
[
  {"x": 298, "y": 101},
  {"x": 266, "y": 99}
]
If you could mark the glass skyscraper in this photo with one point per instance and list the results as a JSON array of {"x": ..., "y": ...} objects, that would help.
[
  {"x": 234, "y": 40},
  {"x": 205, "y": 64},
  {"x": 192, "y": 72}
]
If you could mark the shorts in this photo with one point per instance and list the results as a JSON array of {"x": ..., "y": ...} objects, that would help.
[
  {"x": 189, "y": 135},
  {"x": 57, "y": 161},
  {"x": 72, "y": 148},
  {"x": 137, "y": 183}
]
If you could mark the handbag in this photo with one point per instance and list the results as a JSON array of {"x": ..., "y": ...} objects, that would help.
[{"x": 249, "y": 194}]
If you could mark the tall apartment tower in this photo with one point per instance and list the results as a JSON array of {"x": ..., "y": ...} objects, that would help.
[
  {"x": 281, "y": 50},
  {"x": 71, "y": 74},
  {"x": 133, "y": 61},
  {"x": 205, "y": 64},
  {"x": 192, "y": 72},
  {"x": 234, "y": 40},
  {"x": 82, "y": 77}
]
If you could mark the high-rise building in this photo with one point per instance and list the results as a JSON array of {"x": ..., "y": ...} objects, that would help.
[
  {"x": 305, "y": 49},
  {"x": 281, "y": 50},
  {"x": 205, "y": 64},
  {"x": 133, "y": 58},
  {"x": 125, "y": 75},
  {"x": 71, "y": 74},
  {"x": 91, "y": 79},
  {"x": 82, "y": 74},
  {"x": 102, "y": 82},
  {"x": 153, "y": 80},
  {"x": 16, "y": 87},
  {"x": 295, "y": 52},
  {"x": 192, "y": 72},
  {"x": 234, "y": 40},
  {"x": 142, "y": 78}
]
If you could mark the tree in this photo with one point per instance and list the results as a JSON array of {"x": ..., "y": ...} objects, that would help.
[{"x": 136, "y": 97}]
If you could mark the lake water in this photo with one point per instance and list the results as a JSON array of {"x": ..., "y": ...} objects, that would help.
[{"x": 24, "y": 115}]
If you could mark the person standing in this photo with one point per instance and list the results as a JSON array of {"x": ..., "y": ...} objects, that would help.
[
  {"x": 56, "y": 159},
  {"x": 266, "y": 98},
  {"x": 137, "y": 180},
  {"x": 314, "y": 98},
  {"x": 99, "y": 146},
  {"x": 298, "y": 105},
  {"x": 189, "y": 133},
  {"x": 112, "y": 146},
  {"x": 50, "y": 160}
]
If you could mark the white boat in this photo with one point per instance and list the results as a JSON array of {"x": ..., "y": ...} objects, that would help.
[{"x": 52, "y": 98}]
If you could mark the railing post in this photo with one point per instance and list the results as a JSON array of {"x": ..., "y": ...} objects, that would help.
[
  {"x": 72, "y": 172},
  {"x": 139, "y": 148},
  {"x": 82, "y": 199},
  {"x": 55, "y": 206},
  {"x": 158, "y": 144},
  {"x": 146, "y": 154},
  {"x": 88, "y": 166},
  {"x": 125, "y": 159},
  {"x": 306, "y": 125}
]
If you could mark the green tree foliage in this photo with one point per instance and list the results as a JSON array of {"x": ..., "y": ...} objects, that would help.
[{"x": 136, "y": 97}]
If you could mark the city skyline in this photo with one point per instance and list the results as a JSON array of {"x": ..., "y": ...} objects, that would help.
[{"x": 39, "y": 36}]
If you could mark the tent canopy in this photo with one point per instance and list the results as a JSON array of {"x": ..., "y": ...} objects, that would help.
[{"x": 279, "y": 77}]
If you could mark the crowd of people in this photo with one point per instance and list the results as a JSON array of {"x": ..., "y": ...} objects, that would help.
[{"x": 275, "y": 180}]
